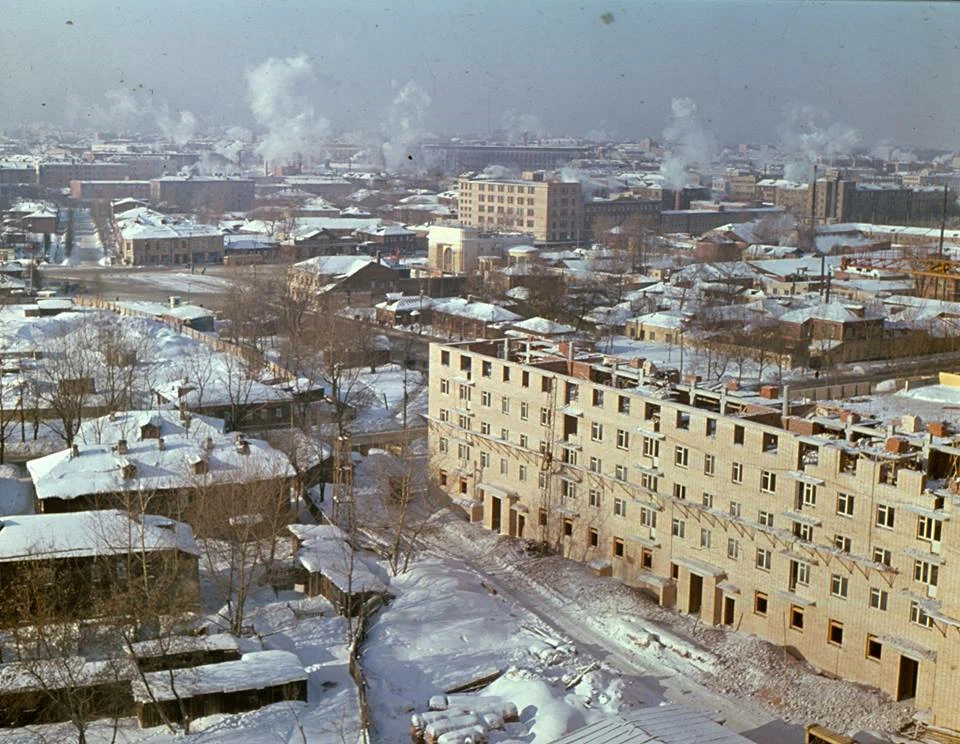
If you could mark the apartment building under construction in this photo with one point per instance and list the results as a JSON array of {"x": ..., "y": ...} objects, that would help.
[{"x": 817, "y": 530}]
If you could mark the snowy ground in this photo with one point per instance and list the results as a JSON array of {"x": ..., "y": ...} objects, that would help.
[
  {"x": 382, "y": 392},
  {"x": 446, "y": 627},
  {"x": 759, "y": 691},
  {"x": 181, "y": 282}
]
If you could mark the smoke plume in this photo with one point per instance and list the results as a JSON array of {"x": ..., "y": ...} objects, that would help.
[
  {"x": 405, "y": 126},
  {"x": 589, "y": 187},
  {"x": 179, "y": 128},
  {"x": 521, "y": 127},
  {"x": 128, "y": 109},
  {"x": 275, "y": 92},
  {"x": 690, "y": 144},
  {"x": 807, "y": 135}
]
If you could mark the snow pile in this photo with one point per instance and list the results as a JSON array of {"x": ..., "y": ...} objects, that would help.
[
  {"x": 751, "y": 668},
  {"x": 446, "y": 629}
]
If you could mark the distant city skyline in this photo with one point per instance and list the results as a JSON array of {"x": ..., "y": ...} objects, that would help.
[{"x": 863, "y": 73}]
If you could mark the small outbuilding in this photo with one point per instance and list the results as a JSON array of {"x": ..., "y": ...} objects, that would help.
[{"x": 256, "y": 679}]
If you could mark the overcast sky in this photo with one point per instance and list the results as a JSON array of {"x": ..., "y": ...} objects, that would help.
[{"x": 890, "y": 70}]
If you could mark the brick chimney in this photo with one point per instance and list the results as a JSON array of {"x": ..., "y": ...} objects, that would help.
[{"x": 897, "y": 445}]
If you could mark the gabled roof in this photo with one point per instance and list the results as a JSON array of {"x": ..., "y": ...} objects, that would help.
[
  {"x": 89, "y": 533},
  {"x": 834, "y": 312},
  {"x": 544, "y": 326},
  {"x": 99, "y": 468},
  {"x": 484, "y": 311},
  {"x": 340, "y": 267}
]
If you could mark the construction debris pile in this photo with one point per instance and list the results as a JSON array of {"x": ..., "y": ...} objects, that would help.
[{"x": 459, "y": 719}]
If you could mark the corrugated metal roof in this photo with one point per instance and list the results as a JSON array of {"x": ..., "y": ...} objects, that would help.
[{"x": 666, "y": 724}]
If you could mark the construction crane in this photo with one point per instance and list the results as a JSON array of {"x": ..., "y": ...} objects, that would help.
[{"x": 936, "y": 277}]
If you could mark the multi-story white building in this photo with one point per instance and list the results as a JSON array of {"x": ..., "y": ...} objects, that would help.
[
  {"x": 552, "y": 211},
  {"x": 812, "y": 529}
]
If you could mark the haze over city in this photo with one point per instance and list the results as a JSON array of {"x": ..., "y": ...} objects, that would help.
[{"x": 886, "y": 70}]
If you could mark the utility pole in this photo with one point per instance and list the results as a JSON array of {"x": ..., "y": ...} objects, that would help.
[{"x": 943, "y": 221}]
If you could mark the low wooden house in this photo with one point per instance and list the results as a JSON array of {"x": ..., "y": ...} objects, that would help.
[
  {"x": 330, "y": 567},
  {"x": 40, "y": 691},
  {"x": 88, "y": 554},
  {"x": 256, "y": 679},
  {"x": 181, "y": 652}
]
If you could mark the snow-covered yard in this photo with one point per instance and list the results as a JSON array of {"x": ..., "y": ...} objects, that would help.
[{"x": 446, "y": 627}]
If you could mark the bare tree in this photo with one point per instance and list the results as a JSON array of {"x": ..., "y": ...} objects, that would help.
[
  {"x": 68, "y": 374},
  {"x": 241, "y": 525},
  {"x": 11, "y": 410}
]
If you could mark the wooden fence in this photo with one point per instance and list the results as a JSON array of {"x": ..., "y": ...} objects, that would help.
[{"x": 369, "y": 609}]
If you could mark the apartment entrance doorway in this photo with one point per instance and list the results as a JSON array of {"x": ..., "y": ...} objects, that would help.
[
  {"x": 907, "y": 679},
  {"x": 696, "y": 594},
  {"x": 729, "y": 610},
  {"x": 495, "y": 513}
]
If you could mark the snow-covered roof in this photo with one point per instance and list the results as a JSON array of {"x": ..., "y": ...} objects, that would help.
[
  {"x": 673, "y": 320},
  {"x": 340, "y": 564},
  {"x": 89, "y": 533},
  {"x": 248, "y": 242},
  {"x": 60, "y": 673},
  {"x": 664, "y": 724},
  {"x": 308, "y": 225},
  {"x": 543, "y": 326},
  {"x": 182, "y": 644},
  {"x": 255, "y": 670},
  {"x": 222, "y": 391},
  {"x": 128, "y": 425},
  {"x": 386, "y": 231},
  {"x": 835, "y": 312},
  {"x": 406, "y": 303},
  {"x": 335, "y": 266},
  {"x": 182, "y": 312},
  {"x": 310, "y": 532},
  {"x": 145, "y": 224},
  {"x": 782, "y": 268},
  {"x": 465, "y": 308},
  {"x": 100, "y": 469}
]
